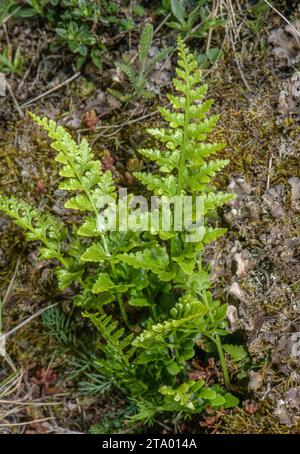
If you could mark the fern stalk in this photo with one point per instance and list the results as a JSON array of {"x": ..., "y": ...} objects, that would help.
[
  {"x": 218, "y": 343},
  {"x": 185, "y": 135}
]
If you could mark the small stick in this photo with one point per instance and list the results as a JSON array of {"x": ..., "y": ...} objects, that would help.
[
  {"x": 6, "y": 296},
  {"x": 15, "y": 101},
  {"x": 6, "y": 19},
  {"x": 16, "y": 328},
  {"x": 238, "y": 63},
  {"x": 6, "y": 34},
  {"x": 25, "y": 423},
  {"x": 48, "y": 92},
  {"x": 210, "y": 31},
  {"x": 121, "y": 126},
  {"x": 12, "y": 281},
  {"x": 283, "y": 17},
  {"x": 35, "y": 404},
  {"x": 269, "y": 172}
]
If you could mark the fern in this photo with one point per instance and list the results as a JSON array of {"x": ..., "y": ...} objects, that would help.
[
  {"x": 188, "y": 398},
  {"x": 159, "y": 274}
]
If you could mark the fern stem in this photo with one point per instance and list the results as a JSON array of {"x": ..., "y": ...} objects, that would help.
[
  {"x": 218, "y": 343},
  {"x": 184, "y": 146},
  {"x": 123, "y": 312},
  {"x": 120, "y": 302},
  {"x": 185, "y": 136},
  {"x": 217, "y": 340}
]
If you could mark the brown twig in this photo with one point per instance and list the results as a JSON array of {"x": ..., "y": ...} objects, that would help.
[
  {"x": 12, "y": 281},
  {"x": 15, "y": 101},
  {"x": 269, "y": 172},
  {"x": 283, "y": 17},
  {"x": 48, "y": 92},
  {"x": 16, "y": 328},
  {"x": 26, "y": 422}
]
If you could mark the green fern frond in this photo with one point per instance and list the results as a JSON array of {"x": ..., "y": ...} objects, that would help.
[
  {"x": 118, "y": 346},
  {"x": 38, "y": 226},
  {"x": 186, "y": 323},
  {"x": 81, "y": 174},
  {"x": 155, "y": 259},
  {"x": 236, "y": 352},
  {"x": 157, "y": 184},
  {"x": 167, "y": 161},
  {"x": 80, "y": 171},
  {"x": 185, "y": 139}
]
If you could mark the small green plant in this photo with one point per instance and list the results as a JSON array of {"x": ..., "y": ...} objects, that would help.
[
  {"x": 138, "y": 77},
  {"x": 78, "y": 24},
  {"x": 79, "y": 39},
  {"x": 192, "y": 23},
  {"x": 11, "y": 63},
  {"x": 185, "y": 20},
  {"x": 74, "y": 23},
  {"x": 208, "y": 58},
  {"x": 156, "y": 276},
  {"x": 258, "y": 13},
  {"x": 6, "y": 6}
]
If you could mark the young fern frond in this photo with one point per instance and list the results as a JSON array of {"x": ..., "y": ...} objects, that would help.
[
  {"x": 186, "y": 134},
  {"x": 187, "y": 316}
]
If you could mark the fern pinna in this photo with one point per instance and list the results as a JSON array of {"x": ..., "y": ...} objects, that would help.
[{"x": 158, "y": 274}]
